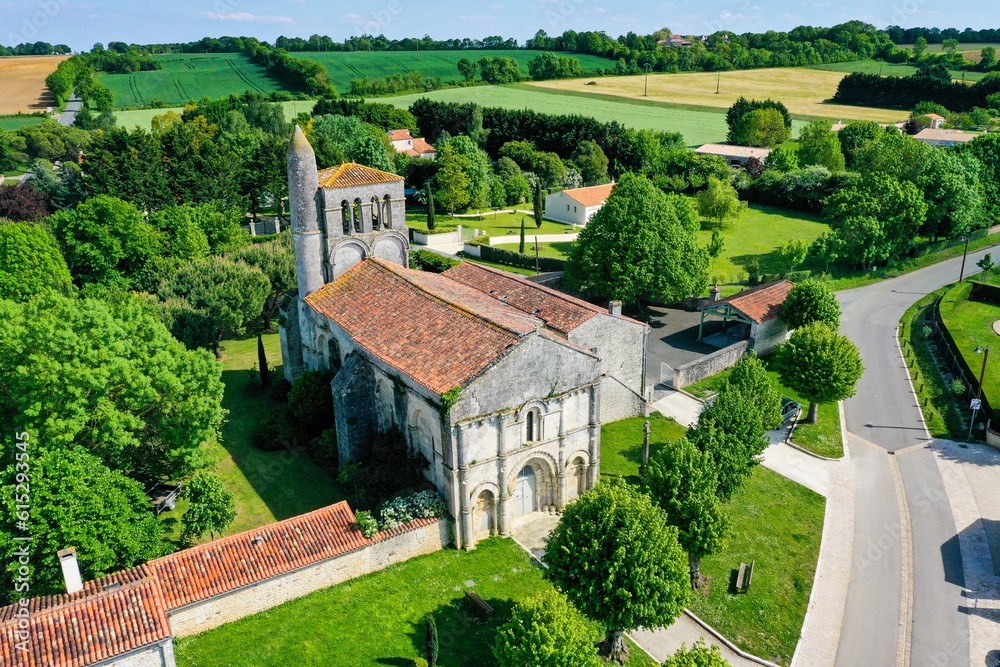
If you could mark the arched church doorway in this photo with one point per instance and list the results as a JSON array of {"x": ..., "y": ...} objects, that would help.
[
  {"x": 578, "y": 477},
  {"x": 525, "y": 497},
  {"x": 485, "y": 515}
]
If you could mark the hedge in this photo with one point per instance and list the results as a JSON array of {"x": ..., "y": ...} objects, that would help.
[{"x": 520, "y": 259}]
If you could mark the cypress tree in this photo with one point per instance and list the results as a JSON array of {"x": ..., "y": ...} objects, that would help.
[
  {"x": 430, "y": 209},
  {"x": 432, "y": 641},
  {"x": 265, "y": 372},
  {"x": 520, "y": 246},
  {"x": 538, "y": 206}
]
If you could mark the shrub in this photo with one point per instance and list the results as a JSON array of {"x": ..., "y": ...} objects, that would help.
[
  {"x": 274, "y": 430},
  {"x": 427, "y": 260},
  {"x": 280, "y": 391},
  {"x": 957, "y": 387},
  {"x": 402, "y": 510},
  {"x": 520, "y": 260},
  {"x": 366, "y": 523},
  {"x": 432, "y": 641},
  {"x": 323, "y": 449},
  {"x": 311, "y": 400}
]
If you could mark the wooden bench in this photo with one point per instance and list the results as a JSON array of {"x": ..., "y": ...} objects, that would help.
[
  {"x": 479, "y": 604},
  {"x": 744, "y": 577}
]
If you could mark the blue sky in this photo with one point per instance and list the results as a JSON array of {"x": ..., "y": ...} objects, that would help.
[{"x": 80, "y": 23}]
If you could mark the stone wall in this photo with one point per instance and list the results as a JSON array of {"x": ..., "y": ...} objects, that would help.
[
  {"x": 229, "y": 607},
  {"x": 709, "y": 365},
  {"x": 160, "y": 654},
  {"x": 768, "y": 335},
  {"x": 621, "y": 346}
]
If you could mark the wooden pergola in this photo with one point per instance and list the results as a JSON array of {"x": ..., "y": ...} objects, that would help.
[{"x": 728, "y": 312}]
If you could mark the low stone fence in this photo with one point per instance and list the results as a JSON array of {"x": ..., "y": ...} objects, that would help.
[
  {"x": 710, "y": 364},
  {"x": 386, "y": 548},
  {"x": 533, "y": 238},
  {"x": 420, "y": 238}
]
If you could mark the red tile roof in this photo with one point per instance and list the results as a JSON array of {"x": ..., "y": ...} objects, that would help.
[
  {"x": 592, "y": 196},
  {"x": 435, "y": 330},
  {"x": 239, "y": 560},
  {"x": 350, "y": 174},
  {"x": 90, "y": 626},
  {"x": 399, "y": 135},
  {"x": 420, "y": 147},
  {"x": 760, "y": 303}
]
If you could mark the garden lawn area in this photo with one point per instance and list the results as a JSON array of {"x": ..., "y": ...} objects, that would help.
[
  {"x": 621, "y": 443},
  {"x": 970, "y": 323},
  {"x": 494, "y": 223},
  {"x": 10, "y": 123},
  {"x": 267, "y": 486},
  {"x": 378, "y": 619},
  {"x": 778, "y": 524},
  {"x": 502, "y": 267},
  {"x": 557, "y": 249},
  {"x": 821, "y": 438}
]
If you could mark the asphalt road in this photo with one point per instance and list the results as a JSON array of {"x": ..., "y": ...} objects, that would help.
[
  {"x": 885, "y": 419},
  {"x": 69, "y": 113}
]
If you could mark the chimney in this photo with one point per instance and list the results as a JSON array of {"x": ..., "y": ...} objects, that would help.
[
  {"x": 71, "y": 570},
  {"x": 615, "y": 308},
  {"x": 716, "y": 292}
]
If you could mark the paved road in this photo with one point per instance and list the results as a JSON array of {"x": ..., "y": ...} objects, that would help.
[
  {"x": 69, "y": 113},
  {"x": 883, "y": 419}
]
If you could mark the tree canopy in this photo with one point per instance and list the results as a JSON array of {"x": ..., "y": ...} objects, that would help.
[
  {"x": 30, "y": 263},
  {"x": 820, "y": 364},
  {"x": 619, "y": 562},
  {"x": 638, "y": 245},
  {"x": 811, "y": 301},
  {"x": 545, "y": 629}
]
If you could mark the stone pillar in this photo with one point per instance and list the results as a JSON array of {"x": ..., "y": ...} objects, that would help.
[
  {"x": 594, "y": 470},
  {"x": 561, "y": 490},
  {"x": 468, "y": 530},
  {"x": 503, "y": 509}
]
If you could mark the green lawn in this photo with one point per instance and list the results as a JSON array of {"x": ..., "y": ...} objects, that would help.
[
  {"x": 342, "y": 66},
  {"x": 971, "y": 323},
  {"x": 823, "y": 437},
  {"x": 698, "y": 127},
  {"x": 142, "y": 118},
  {"x": 779, "y": 525},
  {"x": 495, "y": 223},
  {"x": 9, "y": 123},
  {"x": 557, "y": 249},
  {"x": 890, "y": 69},
  {"x": 268, "y": 486},
  {"x": 378, "y": 619},
  {"x": 621, "y": 443},
  {"x": 502, "y": 267}
]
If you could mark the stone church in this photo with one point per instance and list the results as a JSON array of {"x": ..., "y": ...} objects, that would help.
[{"x": 500, "y": 383}]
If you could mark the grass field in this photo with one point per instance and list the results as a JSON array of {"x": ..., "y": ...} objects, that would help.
[
  {"x": 191, "y": 77},
  {"x": 268, "y": 486},
  {"x": 378, "y": 619},
  {"x": 890, "y": 69},
  {"x": 697, "y": 127},
  {"x": 142, "y": 118},
  {"x": 23, "y": 80},
  {"x": 344, "y": 66},
  {"x": 774, "y": 521},
  {"x": 971, "y": 51},
  {"x": 9, "y": 123},
  {"x": 804, "y": 91},
  {"x": 971, "y": 323},
  {"x": 499, "y": 223}
]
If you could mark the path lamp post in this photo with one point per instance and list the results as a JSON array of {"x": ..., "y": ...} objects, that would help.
[
  {"x": 645, "y": 85},
  {"x": 978, "y": 401},
  {"x": 961, "y": 273}
]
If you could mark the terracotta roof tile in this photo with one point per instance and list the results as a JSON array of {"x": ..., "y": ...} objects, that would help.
[
  {"x": 435, "y": 330},
  {"x": 420, "y": 147},
  {"x": 350, "y": 174},
  {"x": 399, "y": 135},
  {"x": 592, "y": 196},
  {"x": 90, "y": 626},
  {"x": 760, "y": 303},
  {"x": 236, "y": 561}
]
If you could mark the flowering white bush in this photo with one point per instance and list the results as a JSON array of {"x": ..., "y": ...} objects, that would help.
[
  {"x": 423, "y": 505},
  {"x": 367, "y": 523}
]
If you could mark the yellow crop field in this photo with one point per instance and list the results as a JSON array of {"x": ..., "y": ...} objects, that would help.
[
  {"x": 804, "y": 91},
  {"x": 22, "y": 83}
]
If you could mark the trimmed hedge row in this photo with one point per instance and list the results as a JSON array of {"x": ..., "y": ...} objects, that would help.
[{"x": 520, "y": 260}]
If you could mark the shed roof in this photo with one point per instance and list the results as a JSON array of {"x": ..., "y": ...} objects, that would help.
[
  {"x": 591, "y": 196},
  {"x": 350, "y": 174},
  {"x": 760, "y": 303}
]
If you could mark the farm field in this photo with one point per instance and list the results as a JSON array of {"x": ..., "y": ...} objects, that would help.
[
  {"x": 888, "y": 69},
  {"x": 9, "y": 123},
  {"x": 346, "y": 65},
  {"x": 143, "y": 118},
  {"x": 971, "y": 51},
  {"x": 803, "y": 91},
  {"x": 23, "y": 80},
  {"x": 190, "y": 76},
  {"x": 698, "y": 127}
]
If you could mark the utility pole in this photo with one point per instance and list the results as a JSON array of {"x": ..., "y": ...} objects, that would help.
[
  {"x": 536, "y": 254},
  {"x": 718, "y": 83},
  {"x": 961, "y": 273},
  {"x": 645, "y": 85}
]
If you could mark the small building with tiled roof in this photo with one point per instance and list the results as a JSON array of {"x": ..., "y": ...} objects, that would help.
[
  {"x": 754, "y": 313},
  {"x": 578, "y": 205},
  {"x": 500, "y": 384},
  {"x": 941, "y": 137},
  {"x": 735, "y": 155},
  {"x": 403, "y": 142}
]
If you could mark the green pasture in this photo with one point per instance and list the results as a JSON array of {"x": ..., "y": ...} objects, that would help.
[
  {"x": 191, "y": 76},
  {"x": 889, "y": 69},
  {"x": 698, "y": 127},
  {"x": 143, "y": 118},
  {"x": 494, "y": 223},
  {"x": 10, "y": 123},
  {"x": 343, "y": 66}
]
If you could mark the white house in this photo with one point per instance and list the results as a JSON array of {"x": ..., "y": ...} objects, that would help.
[
  {"x": 576, "y": 206},
  {"x": 736, "y": 156},
  {"x": 941, "y": 137},
  {"x": 412, "y": 146}
]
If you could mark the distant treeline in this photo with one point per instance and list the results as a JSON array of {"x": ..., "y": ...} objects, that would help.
[
  {"x": 894, "y": 92},
  {"x": 938, "y": 35},
  {"x": 36, "y": 49}
]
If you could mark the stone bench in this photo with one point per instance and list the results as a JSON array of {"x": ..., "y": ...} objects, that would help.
[
  {"x": 744, "y": 577},
  {"x": 479, "y": 604}
]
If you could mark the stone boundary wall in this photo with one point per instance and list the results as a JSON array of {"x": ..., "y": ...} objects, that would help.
[
  {"x": 234, "y": 605},
  {"x": 709, "y": 365},
  {"x": 160, "y": 654}
]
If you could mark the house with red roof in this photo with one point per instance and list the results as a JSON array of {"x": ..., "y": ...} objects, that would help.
[
  {"x": 412, "y": 146},
  {"x": 578, "y": 205},
  {"x": 499, "y": 383}
]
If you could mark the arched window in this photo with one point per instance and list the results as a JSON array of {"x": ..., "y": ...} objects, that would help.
[
  {"x": 387, "y": 212},
  {"x": 534, "y": 426},
  {"x": 345, "y": 213},
  {"x": 375, "y": 214},
  {"x": 357, "y": 216},
  {"x": 333, "y": 353}
]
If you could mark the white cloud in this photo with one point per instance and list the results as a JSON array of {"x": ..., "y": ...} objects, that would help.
[{"x": 246, "y": 17}]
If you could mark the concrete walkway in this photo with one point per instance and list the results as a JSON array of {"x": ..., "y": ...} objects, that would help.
[{"x": 681, "y": 407}]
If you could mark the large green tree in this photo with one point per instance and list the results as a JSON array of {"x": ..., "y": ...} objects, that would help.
[
  {"x": 638, "y": 244},
  {"x": 819, "y": 145},
  {"x": 682, "y": 481},
  {"x": 30, "y": 262},
  {"x": 453, "y": 179},
  {"x": 590, "y": 159},
  {"x": 720, "y": 202},
  {"x": 619, "y": 562},
  {"x": 229, "y": 293},
  {"x": 545, "y": 629},
  {"x": 210, "y": 509},
  {"x": 820, "y": 364},
  {"x": 811, "y": 301},
  {"x": 277, "y": 260},
  {"x": 761, "y": 127},
  {"x": 109, "y": 379},
  {"x": 76, "y": 501}
]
